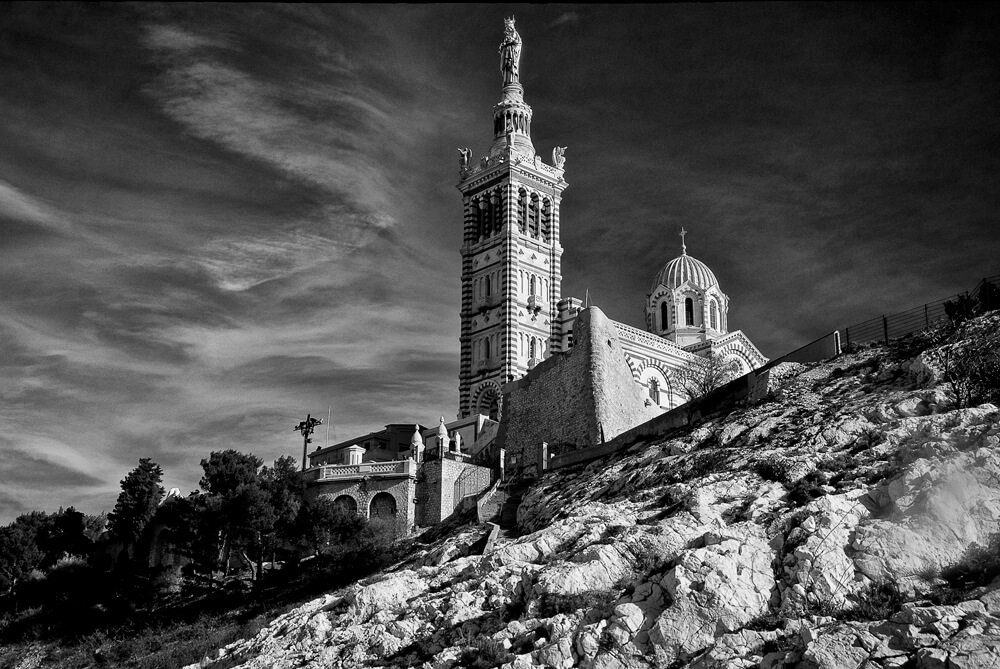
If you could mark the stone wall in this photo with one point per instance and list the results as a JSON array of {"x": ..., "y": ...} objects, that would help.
[
  {"x": 436, "y": 497},
  {"x": 749, "y": 388},
  {"x": 403, "y": 490},
  {"x": 575, "y": 399}
]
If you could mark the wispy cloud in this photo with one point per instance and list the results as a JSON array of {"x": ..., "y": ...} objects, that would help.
[{"x": 214, "y": 220}]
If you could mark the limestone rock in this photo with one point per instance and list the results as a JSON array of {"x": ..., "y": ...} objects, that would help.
[
  {"x": 389, "y": 594},
  {"x": 715, "y": 589}
]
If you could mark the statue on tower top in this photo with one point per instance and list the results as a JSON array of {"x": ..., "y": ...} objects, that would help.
[{"x": 510, "y": 53}]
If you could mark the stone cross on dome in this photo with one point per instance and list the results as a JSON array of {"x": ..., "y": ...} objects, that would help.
[{"x": 684, "y": 248}]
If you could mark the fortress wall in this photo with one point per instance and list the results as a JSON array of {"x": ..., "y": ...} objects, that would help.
[
  {"x": 573, "y": 399},
  {"x": 436, "y": 492},
  {"x": 749, "y": 388}
]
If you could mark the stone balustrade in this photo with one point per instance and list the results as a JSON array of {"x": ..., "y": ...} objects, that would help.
[
  {"x": 637, "y": 336},
  {"x": 396, "y": 468}
]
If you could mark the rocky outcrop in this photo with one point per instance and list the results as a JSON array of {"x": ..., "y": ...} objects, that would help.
[{"x": 807, "y": 531}]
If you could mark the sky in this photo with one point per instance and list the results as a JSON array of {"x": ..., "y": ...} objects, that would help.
[{"x": 215, "y": 219}]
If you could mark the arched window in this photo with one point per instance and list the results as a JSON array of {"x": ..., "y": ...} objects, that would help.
[
  {"x": 522, "y": 208},
  {"x": 531, "y": 289},
  {"x": 531, "y": 348},
  {"x": 486, "y": 348},
  {"x": 688, "y": 308},
  {"x": 654, "y": 390},
  {"x": 487, "y": 286},
  {"x": 664, "y": 315},
  {"x": 714, "y": 315}
]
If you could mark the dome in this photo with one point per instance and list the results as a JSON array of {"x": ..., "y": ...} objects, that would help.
[{"x": 685, "y": 268}]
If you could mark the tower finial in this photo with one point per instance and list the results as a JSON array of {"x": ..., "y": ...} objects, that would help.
[
  {"x": 510, "y": 53},
  {"x": 684, "y": 248}
]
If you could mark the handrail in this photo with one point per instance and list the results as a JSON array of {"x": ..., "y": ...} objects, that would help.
[{"x": 485, "y": 498}]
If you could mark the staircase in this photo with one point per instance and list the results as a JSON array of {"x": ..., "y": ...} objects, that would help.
[
  {"x": 492, "y": 507},
  {"x": 513, "y": 492}
]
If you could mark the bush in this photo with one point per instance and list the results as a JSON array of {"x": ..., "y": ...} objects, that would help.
[
  {"x": 911, "y": 345},
  {"x": 807, "y": 488},
  {"x": 878, "y": 602},
  {"x": 774, "y": 468},
  {"x": 978, "y": 566},
  {"x": 707, "y": 462},
  {"x": 553, "y": 604},
  {"x": 972, "y": 369},
  {"x": 485, "y": 654}
]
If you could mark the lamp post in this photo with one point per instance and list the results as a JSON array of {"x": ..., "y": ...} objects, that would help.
[{"x": 307, "y": 427}]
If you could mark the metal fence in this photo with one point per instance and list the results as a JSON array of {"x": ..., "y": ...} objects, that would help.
[{"x": 986, "y": 296}]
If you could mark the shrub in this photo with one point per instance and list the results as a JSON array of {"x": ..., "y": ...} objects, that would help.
[
  {"x": 978, "y": 566},
  {"x": 911, "y": 345},
  {"x": 972, "y": 370},
  {"x": 807, "y": 488},
  {"x": 961, "y": 309},
  {"x": 708, "y": 462},
  {"x": 878, "y": 602},
  {"x": 774, "y": 468},
  {"x": 553, "y": 604},
  {"x": 868, "y": 438},
  {"x": 484, "y": 653}
]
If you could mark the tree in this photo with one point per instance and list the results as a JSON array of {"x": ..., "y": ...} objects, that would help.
[
  {"x": 196, "y": 533},
  {"x": 972, "y": 369},
  {"x": 285, "y": 488},
  {"x": 20, "y": 552},
  {"x": 700, "y": 377},
  {"x": 961, "y": 309},
  {"x": 137, "y": 502},
  {"x": 66, "y": 535},
  {"x": 324, "y": 523},
  {"x": 225, "y": 471}
]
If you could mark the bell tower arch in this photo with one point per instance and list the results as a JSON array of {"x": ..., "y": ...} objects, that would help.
[{"x": 511, "y": 256}]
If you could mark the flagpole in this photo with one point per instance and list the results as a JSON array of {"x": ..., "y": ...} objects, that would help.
[{"x": 328, "y": 414}]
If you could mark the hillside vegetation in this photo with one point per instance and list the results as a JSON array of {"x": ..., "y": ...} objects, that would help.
[{"x": 850, "y": 520}]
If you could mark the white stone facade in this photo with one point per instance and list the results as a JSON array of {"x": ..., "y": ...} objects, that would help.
[{"x": 513, "y": 314}]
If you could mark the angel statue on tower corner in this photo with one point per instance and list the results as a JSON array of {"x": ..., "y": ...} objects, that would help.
[{"x": 510, "y": 53}]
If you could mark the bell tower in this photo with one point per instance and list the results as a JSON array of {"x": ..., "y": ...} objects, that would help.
[{"x": 511, "y": 270}]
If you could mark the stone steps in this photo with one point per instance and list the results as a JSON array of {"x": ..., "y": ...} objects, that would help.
[{"x": 508, "y": 511}]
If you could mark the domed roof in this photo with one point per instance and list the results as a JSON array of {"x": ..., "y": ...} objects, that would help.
[{"x": 685, "y": 268}]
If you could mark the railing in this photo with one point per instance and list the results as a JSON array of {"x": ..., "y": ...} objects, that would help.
[
  {"x": 637, "y": 336},
  {"x": 373, "y": 469},
  {"x": 465, "y": 485},
  {"x": 886, "y": 327}
]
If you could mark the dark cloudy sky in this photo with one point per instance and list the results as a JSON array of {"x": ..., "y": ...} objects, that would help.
[{"x": 217, "y": 218}]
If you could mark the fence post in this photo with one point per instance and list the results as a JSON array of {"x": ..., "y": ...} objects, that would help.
[{"x": 885, "y": 329}]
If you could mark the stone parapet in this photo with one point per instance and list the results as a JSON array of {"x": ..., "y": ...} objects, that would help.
[{"x": 396, "y": 469}]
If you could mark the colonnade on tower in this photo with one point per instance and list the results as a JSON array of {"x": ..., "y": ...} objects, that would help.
[{"x": 511, "y": 256}]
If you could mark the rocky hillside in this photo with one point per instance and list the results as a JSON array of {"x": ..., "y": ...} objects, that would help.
[{"x": 836, "y": 524}]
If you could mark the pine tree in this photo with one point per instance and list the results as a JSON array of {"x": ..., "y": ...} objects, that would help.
[{"x": 141, "y": 494}]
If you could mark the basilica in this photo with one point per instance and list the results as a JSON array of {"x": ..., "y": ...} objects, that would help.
[
  {"x": 523, "y": 385},
  {"x": 513, "y": 314}
]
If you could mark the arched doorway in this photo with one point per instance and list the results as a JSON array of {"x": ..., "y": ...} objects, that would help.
[
  {"x": 383, "y": 506},
  {"x": 487, "y": 401},
  {"x": 346, "y": 505}
]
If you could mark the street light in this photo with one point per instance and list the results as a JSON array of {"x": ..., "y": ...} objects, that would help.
[{"x": 307, "y": 427}]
